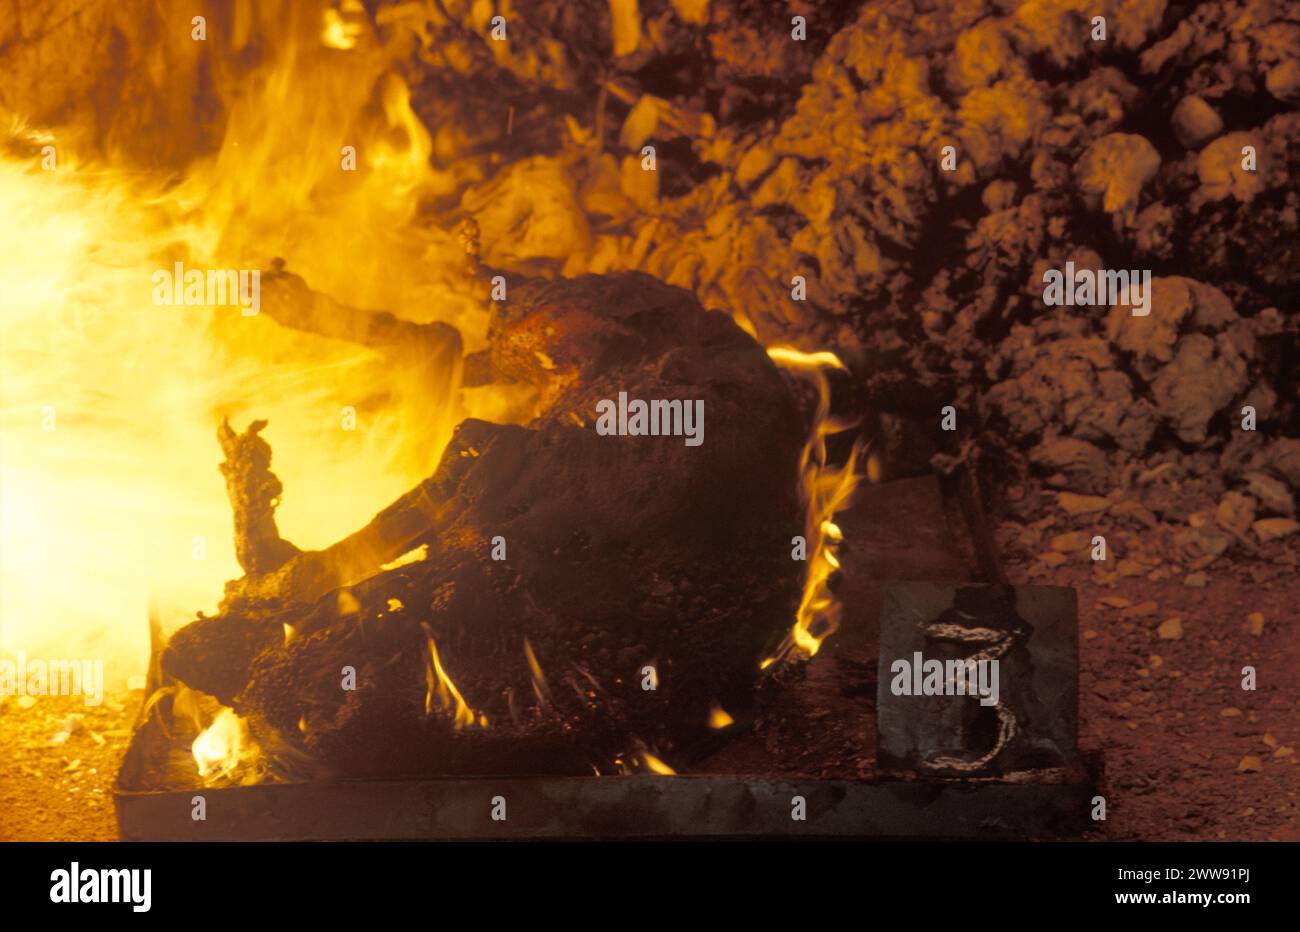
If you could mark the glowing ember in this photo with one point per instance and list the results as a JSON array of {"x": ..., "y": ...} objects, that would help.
[
  {"x": 655, "y": 765},
  {"x": 719, "y": 718}
]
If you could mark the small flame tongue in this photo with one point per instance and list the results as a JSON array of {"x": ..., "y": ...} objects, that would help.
[
  {"x": 441, "y": 687},
  {"x": 828, "y": 489},
  {"x": 226, "y": 753}
]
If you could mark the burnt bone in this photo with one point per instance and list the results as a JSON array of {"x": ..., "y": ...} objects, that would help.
[
  {"x": 254, "y": 492},
  {"x": 622, "y": 553}
]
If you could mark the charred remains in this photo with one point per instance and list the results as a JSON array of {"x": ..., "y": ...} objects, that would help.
[{"x": 633, "y": 561}]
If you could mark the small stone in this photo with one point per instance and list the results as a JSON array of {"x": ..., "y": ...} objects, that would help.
[
  {"x": 1230, "y": 712},
  {"x": 1250, "y": 764},
  {"x": 1221, "y": 172},
  {"x": 26, "y": 702},
  {"x": 1171, "y": 629},
  {"x": 1136, "y": 510},
  {"x": 1075, "y": 504},
  {"x": 1116, "y": 166},
  {"x": 641, "y": 121},
  {"x": 1195, "y": 122},
  {"x": 1283, "y": 80},
  {"x": 1130, "y": 568},
  {"x": 1071, "y": 541},
  {"x": 1267, "y": 529},
  {"x": 1053, "y": 559},
  {"x": 1213, "y": 541},
  {"x": 1255, "y": 623},
  {"x": 1115, "y": 601},
  {"x": 1089, "y": 635},
  {"x": 1156, "y": 661},
  {"x": 1196, "y": 580},
  {"x": 1270, "y": 741},
  {"x": 1273, "y": 495},
  {"x": 1141, "y": 610},
  {"x": 755, "y": 163},
  {"x": 1236, "y": 512},
  {"x": 1284, "y": 751}
]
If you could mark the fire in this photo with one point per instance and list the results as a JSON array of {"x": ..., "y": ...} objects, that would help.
[
  {"x": 719, "y": 718},
  {"x": 225, "y": 752},
  {"x": 108, "y": 399},
  {"x": 828, "y": 489},
  {"x": 339, "y": 31},
  {"x": 109, "y": 402},
  {"x": 540, "y": 689},
  {"x": 449, "y": 696},
  {"x": 217, "y": 749},
  {"x": 656, "y": 766}
]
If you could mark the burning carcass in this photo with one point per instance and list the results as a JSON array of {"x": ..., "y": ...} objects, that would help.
[
  {"x": 554, "y": 597},
  {"x": 575, "y": 533}
]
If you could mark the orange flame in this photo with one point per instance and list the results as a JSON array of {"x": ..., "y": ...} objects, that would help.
[
  {"x": 449, "y": 696},
  {"x": 719, "y": 718},
  {"x": 109, "y": 402},
  {"x": 828, "y": 489},
  {"x": 656, "y": 766},
  {"x": 540, "y": 689},
  {"x": 225, "y": 752}
]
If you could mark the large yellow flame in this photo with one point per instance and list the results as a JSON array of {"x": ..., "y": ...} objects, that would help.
[{"x": 109, "y": 403}]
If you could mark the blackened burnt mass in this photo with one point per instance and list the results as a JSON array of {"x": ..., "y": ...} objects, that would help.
[{"x": 623, "y": 552}]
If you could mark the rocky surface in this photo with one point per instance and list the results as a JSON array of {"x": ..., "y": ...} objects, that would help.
[{"x": 1116, "y": 152}]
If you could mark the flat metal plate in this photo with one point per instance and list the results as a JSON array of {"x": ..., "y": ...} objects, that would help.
[
  {"x": 593, "y": 807},
  {"x": 606, "y": 807}
]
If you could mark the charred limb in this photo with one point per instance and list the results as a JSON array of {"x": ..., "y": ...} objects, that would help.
[{"x": 254, "y": 493}]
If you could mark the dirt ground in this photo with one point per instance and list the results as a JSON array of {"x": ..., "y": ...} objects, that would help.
[
  {"x": 61, "y": 757},
  {"x": 1188, "y": 753}
]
